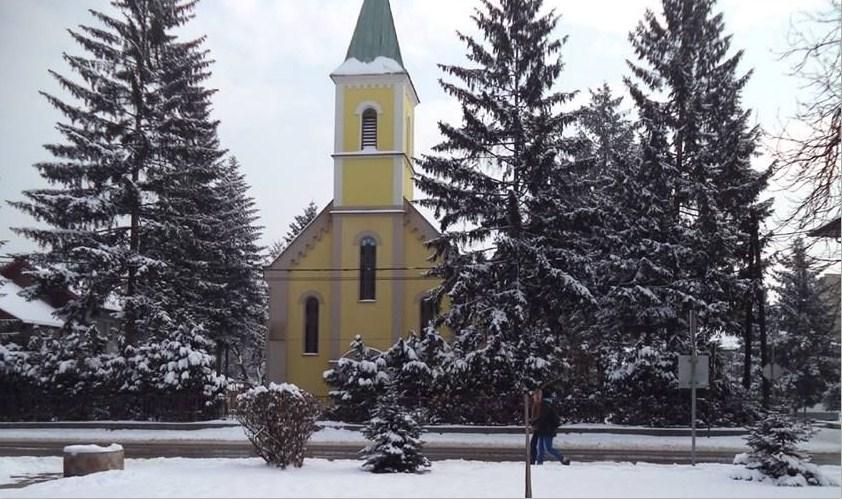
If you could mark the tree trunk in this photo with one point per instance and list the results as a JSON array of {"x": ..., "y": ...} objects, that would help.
[{"x": 749, "y": 325}]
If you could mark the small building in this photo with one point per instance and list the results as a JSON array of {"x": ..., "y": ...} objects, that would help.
[
  {"x": 20, "y": 317},
  {"x": 358, "y": 267}
]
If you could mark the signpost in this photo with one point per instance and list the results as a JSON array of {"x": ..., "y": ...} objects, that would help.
[{"x": 694, "y": 382}]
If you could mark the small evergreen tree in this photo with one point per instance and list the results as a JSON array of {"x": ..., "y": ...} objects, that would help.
[
  {"x": 775, "y": 456},
  {"x": 804, "y": 345},
  {"x": 396, "y": 437},
  {"x": 356, "y": 380}
]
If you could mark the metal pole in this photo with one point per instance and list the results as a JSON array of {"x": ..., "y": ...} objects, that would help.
[
  {"x": 693, "y": 361},
  {"x": 528, "y": 475}
]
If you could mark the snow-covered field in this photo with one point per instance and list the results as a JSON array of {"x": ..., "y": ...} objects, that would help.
[
  {"x": 825, "y": 440},
  {"x": 320, "y": 478}
]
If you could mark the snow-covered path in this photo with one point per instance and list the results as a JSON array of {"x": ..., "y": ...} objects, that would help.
[
  {"x": 319, "y": 478},
  {"x": 825, "y": 440}
]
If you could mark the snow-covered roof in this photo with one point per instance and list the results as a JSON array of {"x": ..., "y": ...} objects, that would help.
[
  {"x": 35, "y": 312},
  {"x": 380, "y": 65}
]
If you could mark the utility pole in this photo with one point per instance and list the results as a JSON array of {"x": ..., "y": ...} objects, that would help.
[
  {"x": 693, "y": 361},
  {"x": 528, "y": 475}
]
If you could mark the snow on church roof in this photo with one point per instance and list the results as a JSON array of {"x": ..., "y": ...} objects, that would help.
[
  {"x": 380, "y": 65},
  {"x": 35, "y": 312}
]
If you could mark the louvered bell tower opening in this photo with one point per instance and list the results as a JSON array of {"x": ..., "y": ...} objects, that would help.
[{"x": 369, "y": 129}]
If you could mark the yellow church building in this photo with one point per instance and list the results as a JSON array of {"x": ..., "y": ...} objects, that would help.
[{"x": 357, "y": 268}]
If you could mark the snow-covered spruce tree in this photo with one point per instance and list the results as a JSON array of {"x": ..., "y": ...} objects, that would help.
[
  {"x": 236, "y": 318},
  {"x": 396, "y": 437},
  {"x": 804, "y": 340},
  {"x": 512, "y": 218},
  {"x": 608, "y": 151},
  {"x": 686, "y": 81},
  {"x": 775, "y": 456},
  {"x": 295, "y": 227},
  {"x": 178, "y": 374},
  {"x": 130, "y": 128},
  {"x": 677, "y": 228},
  {"x": 356, "y": 380}
]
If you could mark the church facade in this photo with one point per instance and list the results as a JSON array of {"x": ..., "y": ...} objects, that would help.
[{"x": 357, "y": 269}]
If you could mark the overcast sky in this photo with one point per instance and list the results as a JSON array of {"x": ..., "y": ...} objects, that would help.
[{"x": 275, "y": 99}]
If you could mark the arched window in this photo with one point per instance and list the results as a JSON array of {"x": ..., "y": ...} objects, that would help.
[
  {"x": 368, "y": 264},
  {"x": 369, "y": 129},
  {"x": 311, "y": 325},
  {"x": 428, "y": 312}
]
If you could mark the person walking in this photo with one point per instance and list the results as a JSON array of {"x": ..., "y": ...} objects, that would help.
[{"x": 546, "y": 427}]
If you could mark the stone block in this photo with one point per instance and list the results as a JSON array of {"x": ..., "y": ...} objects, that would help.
[{"x": 81, "y": 460}]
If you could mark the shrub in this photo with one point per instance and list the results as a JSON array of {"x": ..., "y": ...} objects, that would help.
[
  {"x": 278, "y": 420},
  {"x": 775, "y": 457}
]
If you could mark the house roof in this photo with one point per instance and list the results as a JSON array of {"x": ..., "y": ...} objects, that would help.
[
  {"x": 831, "y": 229},
  {"x": 36, "y": 312},
  {"x": 375, "y": 35}
]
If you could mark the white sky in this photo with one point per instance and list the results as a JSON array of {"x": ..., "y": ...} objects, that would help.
[{"x": 275, "y": 98}]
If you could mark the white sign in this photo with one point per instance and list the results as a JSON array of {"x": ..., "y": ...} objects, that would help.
[
  {"x": 702, "y": 371},
  {"x": 773, "y": 372}
]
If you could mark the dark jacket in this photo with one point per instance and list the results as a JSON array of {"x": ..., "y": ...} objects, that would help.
[{"x": 548, "y": 420}]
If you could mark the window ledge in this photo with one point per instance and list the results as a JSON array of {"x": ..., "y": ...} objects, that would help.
[
  {"x": 305, "y": 354},
  {"x": 366, "y": 301}
]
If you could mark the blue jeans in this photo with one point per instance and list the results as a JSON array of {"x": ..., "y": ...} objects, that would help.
[{"x": 545, "y": 444}]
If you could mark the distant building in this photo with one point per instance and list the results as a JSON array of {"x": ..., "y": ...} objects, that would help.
[{"x": 20, "y": 317}]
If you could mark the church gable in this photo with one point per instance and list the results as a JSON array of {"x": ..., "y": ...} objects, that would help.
[{"x": 306, "y": 240}]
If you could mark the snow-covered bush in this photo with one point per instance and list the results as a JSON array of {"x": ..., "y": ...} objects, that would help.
[
  {"x": 395, "y": 433},
  {"x": 358, "y": 377},
  {"x": 643, "y": 387},
  {"x": 278, "y": 420},
  {"x": 73, "y": 370},
  {"x": 775, "y": 456},
  {"x": 18, "y": 387},
  {"x": 173, "y": 377}
]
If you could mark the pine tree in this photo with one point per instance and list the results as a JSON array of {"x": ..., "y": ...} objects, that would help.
[
  {"x": 396, "y": 437},
  {"x": 805, "y": 334},
  {"x": 775, "y": 456},
  {"x": 237, "y": 318},
  {"x": 356, "y": 381},
  {"x": 124, "y": 213},
  {"x": 503, "y": 185},
  {"x": 688, "y": 94},
  {"x": 295, "y": 227}
]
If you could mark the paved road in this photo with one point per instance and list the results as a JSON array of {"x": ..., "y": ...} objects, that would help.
[{"x": 210, "y": 449}]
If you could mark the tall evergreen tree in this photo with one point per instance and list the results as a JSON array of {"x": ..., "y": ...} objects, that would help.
[
  {"x": 686, "y": 82},
  {"x": 124, "y": 212},
  {"x": 295, "y": 227},
  {"x": 503, "y": 185},
  {"x": 805, "y": 324},
  {"x": 239, "y": 318}
]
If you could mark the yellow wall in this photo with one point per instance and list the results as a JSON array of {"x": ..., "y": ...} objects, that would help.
[
  {"x": 371, "y": 320},
  {"x": 368, "y": 181},
  {"x": 385, "y": 98},
  {"x": 306, "y": 370}
]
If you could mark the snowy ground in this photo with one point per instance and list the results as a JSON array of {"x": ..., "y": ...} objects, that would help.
[
  {"x": 825, "y": 440},
  {"x": 320, "y": 478}
]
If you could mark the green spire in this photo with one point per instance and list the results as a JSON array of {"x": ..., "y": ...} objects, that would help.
[{"x": 375, "y": 34}]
